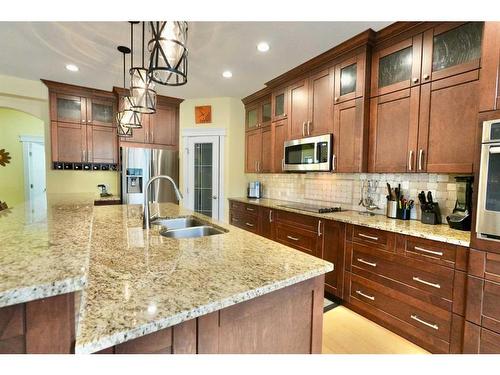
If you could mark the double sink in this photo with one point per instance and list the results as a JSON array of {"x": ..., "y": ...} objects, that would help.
[{"x": 186, "y": 227}]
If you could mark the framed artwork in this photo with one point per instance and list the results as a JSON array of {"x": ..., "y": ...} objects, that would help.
[{"x": 203, "y": 114}]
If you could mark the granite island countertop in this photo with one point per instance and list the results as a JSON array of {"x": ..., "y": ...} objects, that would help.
[
  {"x": 133, "y": 281},
  {"x": 441, "y": 232}
]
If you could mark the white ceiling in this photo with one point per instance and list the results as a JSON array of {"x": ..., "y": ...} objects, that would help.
[{"x": 36, "y": 50}]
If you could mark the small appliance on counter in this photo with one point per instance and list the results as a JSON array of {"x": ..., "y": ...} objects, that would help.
[
  {"x": 104, "y": 190},
  {"x": 254, "y": 190},
  {"x": 398, "y": 207},
  {"x": 462, "y": 213},
  {"x": 431, "y": 214}
]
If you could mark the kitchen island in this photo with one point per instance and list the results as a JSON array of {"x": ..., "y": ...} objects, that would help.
[{"x": 137, "y": 291}]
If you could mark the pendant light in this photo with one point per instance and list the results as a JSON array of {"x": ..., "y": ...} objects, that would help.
[
  {"x": 127, "y": 118},
  {"x": 141, "y": 86},
  {"x": 168, "y": 60}
]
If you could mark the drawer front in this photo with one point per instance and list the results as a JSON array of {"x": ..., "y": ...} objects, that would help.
[
  {"x": 385, "y": 299},
  {"x": 430, "y": 278},
  {"x": 243, "y": 207},
  {"x": 245, "y": 221},
  {"x": 298, "y": 238},
  {"x": 478, "y": 340},
  {"x": 374, "y": 237},
  {"x": 491, "y": 306},
  {"x": 438, "y": 252},
  {"x": 492, "y": 267},
  {"x": 294, "y": 219}
]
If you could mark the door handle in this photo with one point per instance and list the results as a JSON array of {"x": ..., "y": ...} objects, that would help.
[
  {"x": 308, "y": 128},
  {"x": 410, "y": 160},
  {"x": 303, "y": 128},
  {"x": 270, "y": 216},
  {"x": 319, "y": 228},
  {"x": 282, "y": 164},
  {"x": 420, "y": 159},
  {"x": 334, "y": 159}
]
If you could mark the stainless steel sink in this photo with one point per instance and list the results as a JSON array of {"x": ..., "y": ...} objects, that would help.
[
  {"x": 193, "y": 232},
  {"x": 178, "y": 222}
]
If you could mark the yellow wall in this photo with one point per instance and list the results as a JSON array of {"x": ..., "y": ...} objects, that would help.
[
  {"x": 32, "y": 97},
  {"x": 229, "y": 114},
  {"x": 13, "y": 124}
]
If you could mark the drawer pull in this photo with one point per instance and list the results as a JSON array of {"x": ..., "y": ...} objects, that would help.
[
  {"x": 292, "y": 238},
  {"x": 249, "y": 224},
  {"x": 360, "y": 260},
  {"x": 433, "y": 326},
  {"x": 419, "y": 280},
  {"x": 439, "y": 253},
  {"x": 319, "y": 228},
  {"x": 365, "y": 295},
  {"x": 367, "y": 236},
  {"x": 250, "y": 209}
]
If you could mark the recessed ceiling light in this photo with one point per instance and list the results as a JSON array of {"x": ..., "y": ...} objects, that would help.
[
  {"x": 227, "y": 74},
  {"x": 263, "y": 47},
  {"x": 72, "y": 67}
]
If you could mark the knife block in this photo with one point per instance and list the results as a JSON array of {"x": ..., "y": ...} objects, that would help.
[{"x": 433, "y": 216}]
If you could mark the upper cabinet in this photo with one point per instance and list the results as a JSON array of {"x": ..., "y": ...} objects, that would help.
[
  {"x": 279, "y": 101},
  {"x": 101, "y": 112},
  {"x": 310, "y": 105},
  {"x": 489, "y": 89},
  {"x": 258, "y": 114},
  {"x": 68, "y": 108}
]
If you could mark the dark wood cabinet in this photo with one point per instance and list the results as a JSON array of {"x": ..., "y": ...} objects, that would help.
[
  {"x": 489, "y": 90},
  {"x": 68, "y": 142},
  {"x": 333, "y": 251},
  {"x": 280, "y": 132},
  {"x": 267, "y": 222},
  {"x": 253, "y": 155},
  {"x": 258, "y": 114},
  {"x": 279, "y": 102},
  {"x": 298, "y": 109},
  {"x": 102, "y": 145},
  {"x": 266, "y": 157},
  {"x": 101, "y": 112}
]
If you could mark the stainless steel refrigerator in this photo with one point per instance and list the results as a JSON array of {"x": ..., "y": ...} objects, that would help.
[{"x": 139, "y": 165}]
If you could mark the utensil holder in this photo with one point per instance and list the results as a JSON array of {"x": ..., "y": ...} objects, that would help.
[
  {"x": 391, "y": 209},
  {"x": 403, "y": 213}
]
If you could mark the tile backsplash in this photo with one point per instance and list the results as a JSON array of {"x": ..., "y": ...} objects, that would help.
[{"x": 344, "y": 189}]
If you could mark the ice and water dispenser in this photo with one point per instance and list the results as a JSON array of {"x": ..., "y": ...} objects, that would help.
[{"x": 134, "y": 180}]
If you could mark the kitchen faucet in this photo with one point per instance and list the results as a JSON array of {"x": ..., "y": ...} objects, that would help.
[{"x": 178, "y": 194}]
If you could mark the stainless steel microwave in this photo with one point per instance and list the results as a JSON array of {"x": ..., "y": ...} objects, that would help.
[
  {"x": 308, "y": 154},
  {"x": 488, "y": 199}
]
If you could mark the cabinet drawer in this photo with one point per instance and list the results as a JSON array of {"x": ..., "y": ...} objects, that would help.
[
  {"x": 430, "y": 278},
  {"x": 245, "y": 221},
  {"x": 434, "y": 251},
  {"x": 484, "y": 265},
  {"x": 303, "y": 221},
  {"x": 298, "y": 238},
  {"x": 243, "y": 207},
  {"x": 435, "y": 322},
  {"x": 374, "y": 237},
  {"x": 479, "y": 340},
  {"x": 483, "y": 303}
]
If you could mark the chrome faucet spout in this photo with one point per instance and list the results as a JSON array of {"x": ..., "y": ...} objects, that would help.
[{"x": 178, "y": 194}]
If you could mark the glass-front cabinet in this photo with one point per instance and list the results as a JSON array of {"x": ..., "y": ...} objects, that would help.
[
  {"x": 252, "y": 117},
  {"x": 258, "y": 114},
  {"x": 70, "y": 109},
  {"x": 349, "y": 78},
  {"x": 279, "y": 104},
  {"x": 451, "y": 48},
  {"x": 100, "y": 112}
]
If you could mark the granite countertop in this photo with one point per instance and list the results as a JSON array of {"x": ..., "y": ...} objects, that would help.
[
  {"x": 415, "y": 228},
  {"x": 44, "y": 247},
  {"x": 133, "y": 281}
]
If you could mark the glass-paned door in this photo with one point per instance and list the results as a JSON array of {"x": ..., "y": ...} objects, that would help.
[{"x": 203, "y": 175}]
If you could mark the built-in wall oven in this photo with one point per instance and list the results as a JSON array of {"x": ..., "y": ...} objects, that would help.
[
  {"x": 488, "y": 202},
  {"x": 308, "y": 154}
]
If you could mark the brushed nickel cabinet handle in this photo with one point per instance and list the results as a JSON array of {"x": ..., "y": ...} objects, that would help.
[
  {"x": 250, "y": 209},
  {"x": 270, "y": 216},
  {"x": 282, "y": 164},
  {"x": 334, "y": 159},
  {"x": 319, "y": 228},
  {"x": 308, "y": 127},
  {"x": 303, "y": 128},
  {"x": 439, "y": 253},
  {"x": 415, "y": 80},
  {"x": 365, "y": 295},
  {"x": 367, "y": 236},
  {"x": 292, "y": 238},
  {"x": 426, "y": 76},
  {"x": 419, "y": 280},
  {"x": 431, "y": 325},
  {"x": 410, "y": 160},
  {"x": 249, "y": 224},
  {"x": 420, "y": 157},
  {"x": 361, "y": 260}
]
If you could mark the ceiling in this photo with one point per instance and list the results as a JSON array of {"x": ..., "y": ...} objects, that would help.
[{"x": 35, "y": 50}]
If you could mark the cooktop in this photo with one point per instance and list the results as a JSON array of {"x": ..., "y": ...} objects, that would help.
[{"x": 311, "y": 207}]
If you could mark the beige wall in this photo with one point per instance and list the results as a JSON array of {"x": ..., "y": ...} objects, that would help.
[
  {"x": 229, "y": 114},
  {"x": 32, "y": 97}
]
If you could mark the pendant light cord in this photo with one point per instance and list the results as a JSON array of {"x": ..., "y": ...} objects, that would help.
[
  {"x": 143, "y": 44},
  {"x": 124, "y": 70},
  {"x": 131, "y": 45}
]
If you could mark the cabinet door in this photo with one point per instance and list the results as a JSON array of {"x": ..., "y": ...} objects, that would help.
[
  {"x": 333, "y": 251},
  {"x": 483, "y": 303},
  {"x": 279, "y": 102},
  {"x": 266, "y": 158},
  {"x": 100, "y": 112},
  {"x": 163, "y": 127},
  {"x": 265, "y": 113},
  {"x": 478, "y": 340},
  {"x": 451, "y": 48},
  {"x": 397, "y": 67},
  {"x": 320, "y": 119},
  {"x": 140, "y": 135},
  {"x": 102, "y": 144},
  {"x": 280, "y": 136},
  {"x": 266, "y": 222},
  {"x": 253, "y": 145},
  {"x": 489, "y": 92},
  {"x": 69, "y": 142},
  {"x": 252, "y": 117},
  {"x": 350, "y": 78},
  {"x": 298, "y": 109},
  {"x": 448, "y": 121},
  {"x": 68, "y": 108},
  {"x": 349, "y": 137},
  {"x": 393, "y": 131}
]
